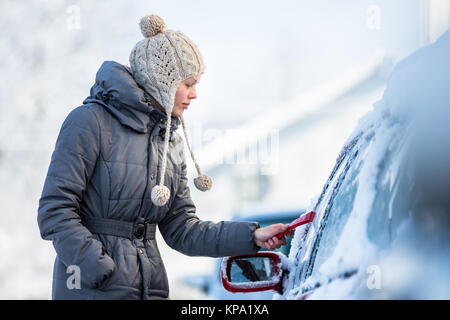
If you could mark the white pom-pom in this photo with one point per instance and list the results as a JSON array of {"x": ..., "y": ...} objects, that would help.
[
  {"x": 203, "y": 183},
  {"x": 151, "y": 25},
  {"x": 160, "y": 195}
]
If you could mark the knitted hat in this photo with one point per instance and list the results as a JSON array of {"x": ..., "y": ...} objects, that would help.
[{"x": 160, "y": 63}]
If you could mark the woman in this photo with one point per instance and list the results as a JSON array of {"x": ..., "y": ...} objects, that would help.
[{"x": 119, "y": 169}]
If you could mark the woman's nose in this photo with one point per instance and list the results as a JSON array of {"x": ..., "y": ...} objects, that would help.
[{"x": 192, "y": 94}]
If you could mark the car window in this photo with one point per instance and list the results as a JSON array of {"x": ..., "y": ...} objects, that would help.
[
  {"x": 300, "y": 252},
  {"x": 336, "y": 212},
  {"x": 333, "y": 208},
  {"x": 393, "y": 195},
  {"x": 303, "y": 252}
]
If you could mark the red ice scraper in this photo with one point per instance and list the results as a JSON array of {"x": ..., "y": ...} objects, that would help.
[{"x": 304, "y": 219}]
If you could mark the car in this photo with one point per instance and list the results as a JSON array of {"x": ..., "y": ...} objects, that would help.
[
  {"x": 210, "y": 284},
  {"x": 382, "y": 219}
]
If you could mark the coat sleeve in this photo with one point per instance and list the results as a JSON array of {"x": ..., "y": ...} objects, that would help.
[
  {"x": 185, "y": 232},
  {"x": 72, "y": 163}
]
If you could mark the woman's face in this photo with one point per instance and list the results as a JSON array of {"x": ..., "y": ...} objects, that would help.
[{"x": 185, "y": 93}]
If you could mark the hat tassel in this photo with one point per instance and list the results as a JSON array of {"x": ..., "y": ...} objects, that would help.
[
  {"x": 160, "y": 193},
  {"x": 202, "y": 182}
]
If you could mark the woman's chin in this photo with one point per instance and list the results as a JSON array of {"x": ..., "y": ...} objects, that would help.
[{"x": 177, "y": 113}]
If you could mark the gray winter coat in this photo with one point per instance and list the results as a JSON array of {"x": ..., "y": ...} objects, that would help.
[{"x": 106, "y": 160}]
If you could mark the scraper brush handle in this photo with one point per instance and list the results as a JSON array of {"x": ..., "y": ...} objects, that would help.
[{"x": 304, "y": 219}]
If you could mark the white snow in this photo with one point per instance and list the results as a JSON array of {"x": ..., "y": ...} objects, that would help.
[
  {"x": 257, "y": 284},
  {"x": 285, "y": 264},
  {"x": 417, "y": 95}
]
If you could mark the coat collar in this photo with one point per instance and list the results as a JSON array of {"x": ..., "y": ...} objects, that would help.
[{"x": 117, "y": 91}]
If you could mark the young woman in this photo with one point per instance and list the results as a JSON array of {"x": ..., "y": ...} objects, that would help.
[{"x": 119, "y": 170}]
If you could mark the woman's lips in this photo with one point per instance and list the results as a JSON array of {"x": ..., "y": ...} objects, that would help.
[{"x": 185, "y": 105}]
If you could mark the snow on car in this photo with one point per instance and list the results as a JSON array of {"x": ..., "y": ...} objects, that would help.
[{"x": 382, "y": 219}]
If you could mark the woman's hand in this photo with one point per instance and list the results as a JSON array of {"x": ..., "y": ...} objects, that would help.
[{"x": 266, "y": 237}]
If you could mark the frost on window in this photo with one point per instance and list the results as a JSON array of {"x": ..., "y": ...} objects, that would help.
[
  {"x": 337, "y": 210},
  {"x": 392, "y": 198}
]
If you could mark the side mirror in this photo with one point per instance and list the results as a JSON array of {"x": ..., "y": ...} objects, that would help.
[{"x": 253, "y": 272}]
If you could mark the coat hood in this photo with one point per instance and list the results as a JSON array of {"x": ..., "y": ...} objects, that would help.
[{"x": 117, "y": 91}]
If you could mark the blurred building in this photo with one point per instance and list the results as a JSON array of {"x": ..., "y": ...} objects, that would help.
[{"x": 281, "y": 156}]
